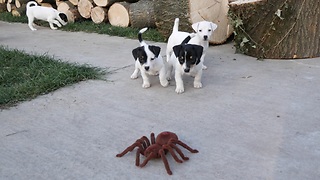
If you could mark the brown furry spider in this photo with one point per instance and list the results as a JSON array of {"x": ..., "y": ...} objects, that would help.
[{"x": 159, "y": 146}]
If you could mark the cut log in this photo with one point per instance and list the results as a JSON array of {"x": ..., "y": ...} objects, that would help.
[
  {"x": 21, "y": 11},
  {"x": 99, "y": 14},
  {"x": 118, "y": 14},
  {"x": 141, "y": 14},
  {"x": 101, "y": 3},
  {"x": 54, "y": 6},
  {"x": 10, "y": 6},
  {"x": 46, "y": 1},
  {"x": 192, "y": 11},
  {"x": 110, "y": 2},
  {"x": 19, "y": 3},
  {"x": 74, "y": 2},
  {"x": 3, "y": 7},
  {"x": 70, "y": 10},
  {"x": 64, "y": 6},
  {"x": 278, "y": 29},
  {"x": 73, "y": 15},
  {"x": 84, "y": 8}
]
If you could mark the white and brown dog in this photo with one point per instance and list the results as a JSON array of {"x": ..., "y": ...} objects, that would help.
[
  {"x": 203, "y": 31},
  {"x": 186, "y": 59},
  {"x": 46, "y": 14},
  {"x": 148, "y": 62}
]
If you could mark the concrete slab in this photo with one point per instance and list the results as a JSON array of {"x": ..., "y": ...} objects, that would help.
[{"x": 251, "y": 120}]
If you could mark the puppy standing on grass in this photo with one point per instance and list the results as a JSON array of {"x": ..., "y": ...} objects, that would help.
[
  {"x": 148, "y": 62},
  {"x": 186, "y": 59},
  {"x": 46, "y": 14},
  {"x": 203, "y": 31}
]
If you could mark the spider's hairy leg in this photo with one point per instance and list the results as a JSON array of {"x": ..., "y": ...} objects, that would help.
[
  {"x": 130, "y": 148},
  {"x": 138, "y": 157},
  {"x": 165, "y": 161},
  {"x": 179, "y": 151},
  {"x": 151, "y": 156},
  {"x": 153, "y": 139},
  {"x": 186, "y": 146},
  {"x": 173, "y": 154},
  {"x": 145, "y": 142}
]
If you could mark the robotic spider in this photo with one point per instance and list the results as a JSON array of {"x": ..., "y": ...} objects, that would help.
[{"x": 157, "y": 148}]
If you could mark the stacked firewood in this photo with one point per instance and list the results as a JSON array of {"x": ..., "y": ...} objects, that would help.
[{"x": 158, "y": 14}]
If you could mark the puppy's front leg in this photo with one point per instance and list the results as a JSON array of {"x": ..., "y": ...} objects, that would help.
[
  {"x": 204, "y": 67},
  {"x": 135, "y": 73},
  {"x": 179, "y": 82},
  {"x": 197, "y": 80},
  {"x": 145, "y": 79},
  {"x": 51, "y": 26},
  {"x": 162, "y": 76}
]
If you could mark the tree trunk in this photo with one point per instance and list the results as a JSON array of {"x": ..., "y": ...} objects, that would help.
[
  {"x": 84, "y": 8},
  {"x": 281, "y": 29},
  {"x": 118, "y": 14},
  {"x": 192, "y": 11},
  {"x": 99, "y": 14},
  {"x": 142, "y": 14}
]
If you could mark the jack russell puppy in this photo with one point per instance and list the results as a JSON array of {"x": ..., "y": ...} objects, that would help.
[
  {"x": 34, "y": 11},
  {"x": 186, "y": 59},
  {"x": 203, "y": 31},
  {"x": 148, "y": 62}
]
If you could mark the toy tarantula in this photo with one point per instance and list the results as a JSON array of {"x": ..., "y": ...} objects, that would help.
[{"x": 159, "y": 146}]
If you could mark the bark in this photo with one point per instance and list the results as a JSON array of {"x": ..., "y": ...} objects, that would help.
[
  {"x": 142, "y": 14},
  {"x": 280, "y": 29}
]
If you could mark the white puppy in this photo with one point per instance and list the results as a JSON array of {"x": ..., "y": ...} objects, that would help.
[
  {"x": 186, "y": 59},
  {"x": 148, "y": 62},
  {"x": 203, "y": 31},
  {"x": 46, "y": 14}
]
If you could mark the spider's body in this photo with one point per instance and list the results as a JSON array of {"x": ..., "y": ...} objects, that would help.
[{"x": 159, "y": 146}]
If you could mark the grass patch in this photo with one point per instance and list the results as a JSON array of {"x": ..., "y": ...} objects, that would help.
[
  {"x": 24, "y": 76},
  {"x": 90, "y": 27}
]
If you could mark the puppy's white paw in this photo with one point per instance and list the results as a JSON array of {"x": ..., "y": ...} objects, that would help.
[
  {"x": 134, "y": 76},
  {"x": 197, "y": 85},
  {"x": 146, "y": 85},
  {"x": 204, "y": 67},
  {"x": 179, "y": 90},
  {"x": 33, "y": 29},
  {"x": 164, "y": 83}
]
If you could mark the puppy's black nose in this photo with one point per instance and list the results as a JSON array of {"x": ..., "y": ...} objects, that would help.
[
  {"x": 205, "y": 37},
  {"x": 146, "y": 68},
  {"x": 186, "y": 70}
]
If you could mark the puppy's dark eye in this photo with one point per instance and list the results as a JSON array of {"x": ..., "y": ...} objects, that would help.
[
  {"x": 209, "y": 30},
  {"x": 200, "y": 30},
  {"x": 152, "y": 59}
]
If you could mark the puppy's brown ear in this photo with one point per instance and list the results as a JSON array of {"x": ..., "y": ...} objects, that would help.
[
  {"x": 155, "y": 50},
  {"x": 177, "y": 49},
  {"x": 135, "y": 53},
  {"x": 199, "y": 51}
]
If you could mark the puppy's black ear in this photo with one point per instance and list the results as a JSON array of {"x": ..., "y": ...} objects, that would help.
[
  {"x": 155, "y": 50},
  {"x": 64, "y": 17},
  {"x": 199, "y": 51},
  {"x": 177, "y": 49},
  {"x": 135, "y": 52}
]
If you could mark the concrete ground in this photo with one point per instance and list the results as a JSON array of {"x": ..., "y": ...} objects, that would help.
[{"x": 251, "y": 120}]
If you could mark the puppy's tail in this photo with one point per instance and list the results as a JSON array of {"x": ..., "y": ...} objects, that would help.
[
  {"x": 140, "y": 35},
  {"x": 187, "y": 39},
  {"x": 31, "y": 3},
  {"x": 176, "y": 25}
]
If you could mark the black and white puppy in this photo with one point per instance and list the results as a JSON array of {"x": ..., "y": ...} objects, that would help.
[
  {"x": 46, "y": 14},
  {"x": 186, "y": 59},
  {"x": 148, "y": 62}
]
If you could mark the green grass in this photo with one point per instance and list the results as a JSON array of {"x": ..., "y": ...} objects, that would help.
[
  {"x": 24, "y": 76},
  {"x": 90, "y": 27}
]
